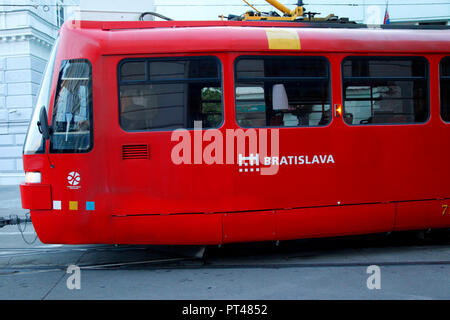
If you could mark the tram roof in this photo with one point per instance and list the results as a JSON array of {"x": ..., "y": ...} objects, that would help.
[{"x": 143, "y": 37}]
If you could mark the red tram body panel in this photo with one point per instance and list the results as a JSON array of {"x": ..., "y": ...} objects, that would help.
[{"x": 335, "y": 178}]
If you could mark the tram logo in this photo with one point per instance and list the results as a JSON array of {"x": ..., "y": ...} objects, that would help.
[
  {"x": 256, "y": 163},
  {"x": 74, "y": 179}
]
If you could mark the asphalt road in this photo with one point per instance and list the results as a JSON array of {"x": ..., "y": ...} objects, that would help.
[{"x": 407, "y": 267}]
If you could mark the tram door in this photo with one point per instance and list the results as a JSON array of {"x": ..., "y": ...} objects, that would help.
[
  {"x": 77, "y": 174},
  {"x": 163, "y": 102},
  {"x": 289, "y": 97}
]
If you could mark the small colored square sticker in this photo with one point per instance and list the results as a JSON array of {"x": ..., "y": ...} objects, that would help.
[
  {"x": 56, "y": 205},
  {"x": 73, "y": 205},
  {"x": 90, "y": 206}
]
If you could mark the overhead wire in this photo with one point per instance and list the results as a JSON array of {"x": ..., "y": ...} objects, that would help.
[
  {"x": 244, "y": 5},
  {"x": 305, "y": 4}
]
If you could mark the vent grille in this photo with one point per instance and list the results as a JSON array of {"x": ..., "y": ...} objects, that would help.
[{"x": 131, "y": 152}]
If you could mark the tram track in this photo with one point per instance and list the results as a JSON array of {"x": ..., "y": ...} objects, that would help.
[
  {"x": 180, "y": 263},
  {"x": 18, "y": 271},
  {"x": 316, "y": 253}
]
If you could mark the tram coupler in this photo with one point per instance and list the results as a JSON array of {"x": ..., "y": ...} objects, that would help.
[{"x": 13, "y": 220}]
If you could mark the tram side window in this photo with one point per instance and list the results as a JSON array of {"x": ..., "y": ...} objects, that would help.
[
  {"x": 385, "y": 90},
  {"x": 445, "y": 89},
  {"x": 72, "y": 112},
  {"x": 168, "y": 94},
  {"x": 282, "y": 91}
]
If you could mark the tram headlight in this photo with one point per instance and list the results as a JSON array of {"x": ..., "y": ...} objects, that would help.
[{"x": 33, "y": 177}]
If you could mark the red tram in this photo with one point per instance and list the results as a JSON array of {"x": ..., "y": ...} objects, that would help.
[{"x": 220, "y": 132}]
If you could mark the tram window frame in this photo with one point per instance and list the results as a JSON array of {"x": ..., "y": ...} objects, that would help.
[
  {"x": 443, "y": 78},
  {"x": 91, "y": 109},
  {"x": 425, "y": 78},
  {"x": 260, "y": 82},
  {"x": 147, "y": 61}
]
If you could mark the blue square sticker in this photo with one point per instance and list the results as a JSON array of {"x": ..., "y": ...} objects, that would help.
[{"x": 90, "y": 206}]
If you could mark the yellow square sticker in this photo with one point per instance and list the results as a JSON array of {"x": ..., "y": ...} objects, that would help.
[
  {"x": 73, "y": 205},
  {"x": 283, "y": 39}
]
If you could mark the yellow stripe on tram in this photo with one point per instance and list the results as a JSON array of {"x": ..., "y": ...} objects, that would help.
[{"x": 282, "y": 39}]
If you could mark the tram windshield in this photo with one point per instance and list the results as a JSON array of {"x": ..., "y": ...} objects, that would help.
[
  {"x": 72, "y": 113},
  {"x": 34, "y": 142}
]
